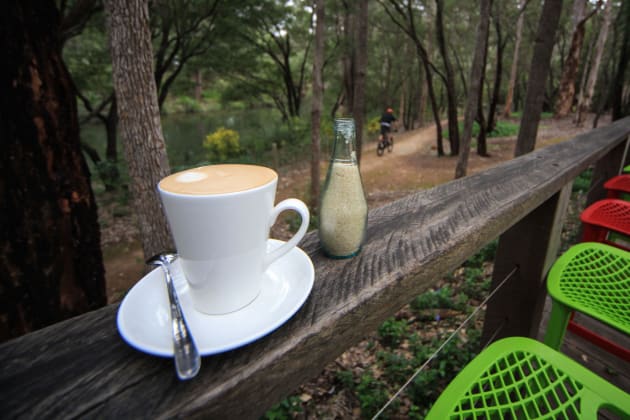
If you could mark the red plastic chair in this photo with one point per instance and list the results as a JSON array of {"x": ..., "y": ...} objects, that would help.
[
  {"x": 605, "y": 221},
  {"x": 618, "y": 187}
]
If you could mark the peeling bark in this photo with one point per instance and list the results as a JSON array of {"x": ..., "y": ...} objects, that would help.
[{"x": 51, "y": 265}]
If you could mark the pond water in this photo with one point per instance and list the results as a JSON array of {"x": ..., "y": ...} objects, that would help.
[{"x": 185, "y": 133}]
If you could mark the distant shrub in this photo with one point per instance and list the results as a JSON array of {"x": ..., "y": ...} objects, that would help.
[
  {"x": 222, "y": 144},
  {"x": 543, "y": 115},
  {"x": 583, "y": 182},
  {"x": 374, "y": 126},
  {"x": 475, "y": 130},
  {"x": 294, "y": 132},
  {"x": 188, "y": 105},
  {"x": 326, "y": 128},
  {"x": 299, "y": 130},
  {"x": 502, "y": 129}
]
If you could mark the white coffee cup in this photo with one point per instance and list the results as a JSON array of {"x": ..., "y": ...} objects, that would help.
[{"x": 220, "y": 217}]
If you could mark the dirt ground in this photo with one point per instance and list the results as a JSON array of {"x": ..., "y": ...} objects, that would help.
[{"x": 412, "y": 165}]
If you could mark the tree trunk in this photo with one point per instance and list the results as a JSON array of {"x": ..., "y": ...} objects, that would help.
[
  {"x": 109, "y": 172},
  {"x": 51, "y": 263},
  {"x": 451, "y": 96},
  {"x": 358, "y": 110},
  {"x": 571, "y": 65},
  {"x": 139, "y": 116},
  {"x": 566, "y": 89},
  {"x": 480, "y": 118},
  {"x": 605, "y": 98},
  {"x": 317, "y": 105},
  {"x": 198, "y": 85},
  {"x": 385, "y": 96},
  {"x": 582, "y": 86},
  {"x": 402, "y": 108},
  {"x": 434, "y": 106},
  {"x": 507, "y": 111},
  {"x": 619, "y": 104},
  {"x": 407, "y": 94},
  {"x": 111, "y": 128},
  {"x": 498, "y": 74},
  {"x": 348, "y": 61},
  {"x": 424, "y": 95},
  {"x": 538, "y": 72},
  {"x": 482, "y": 136},
  {"x": 422, "y": 98},
  {"x": 476, "y": 87}
]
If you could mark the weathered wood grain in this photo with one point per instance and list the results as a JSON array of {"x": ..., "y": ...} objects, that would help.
[{"x": 82, "y": 368}]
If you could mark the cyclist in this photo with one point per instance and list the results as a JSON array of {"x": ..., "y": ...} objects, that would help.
[{"x": 387, "y": 119}]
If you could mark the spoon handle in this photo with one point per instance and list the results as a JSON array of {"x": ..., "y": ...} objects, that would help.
[{"x": 187, "y": 358}]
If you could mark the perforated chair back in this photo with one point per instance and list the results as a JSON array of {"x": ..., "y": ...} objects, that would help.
[
  {"x": 594, "y": 279},
  {"x": 591, "y": 278},
  {"x": 520, "y": 378},
  {"x": 607, "y": 221}
]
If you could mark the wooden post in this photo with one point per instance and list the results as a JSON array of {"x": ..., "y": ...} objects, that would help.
[
  {"x": 626, "y": 155},
  {"x": 525, "y": 253},
  {"x": 605, "y": 168}
]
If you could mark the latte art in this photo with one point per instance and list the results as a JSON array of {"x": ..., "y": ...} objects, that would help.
[{"x": 218, "y": 179}]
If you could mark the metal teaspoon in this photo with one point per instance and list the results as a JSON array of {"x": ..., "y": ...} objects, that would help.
[{"x": 187, "y": 358}]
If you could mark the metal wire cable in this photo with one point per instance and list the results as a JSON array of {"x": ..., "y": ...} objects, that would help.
[
  {"x": 453, "y": 334},
  {"x": 496, "y": 332},
  {"x": 599, "y": 183}
]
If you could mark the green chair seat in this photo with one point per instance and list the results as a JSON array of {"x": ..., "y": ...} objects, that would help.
[
  {"x": 520, "y": 378},
  {"x": 591, "y": 278}
]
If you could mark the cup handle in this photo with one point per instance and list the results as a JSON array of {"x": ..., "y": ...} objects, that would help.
[{"x": 288, "y": 204}]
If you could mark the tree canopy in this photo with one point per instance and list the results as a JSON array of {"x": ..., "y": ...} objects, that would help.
[{"x": 259, "y": 53}]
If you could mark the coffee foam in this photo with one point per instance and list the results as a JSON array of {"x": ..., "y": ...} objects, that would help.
[{"x": 218, "y": 179}]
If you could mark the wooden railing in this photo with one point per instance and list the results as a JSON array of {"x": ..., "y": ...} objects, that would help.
[{"x": 82, "y": 368}]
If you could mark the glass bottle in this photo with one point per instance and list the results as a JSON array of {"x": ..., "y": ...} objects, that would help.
[{"x": 343, "y": 208}]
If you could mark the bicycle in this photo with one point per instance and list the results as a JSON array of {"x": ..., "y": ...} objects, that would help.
[{"x": 386, "y": 142}]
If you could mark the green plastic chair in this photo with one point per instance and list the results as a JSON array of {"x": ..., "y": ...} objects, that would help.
[
  {"x": 591, "y": 278},
  {"x": 520, "y": 378}
]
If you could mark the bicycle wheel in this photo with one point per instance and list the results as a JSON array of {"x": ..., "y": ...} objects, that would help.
[
  {"x": 390, "y": 146},
  {"x": 380, "y": 149}
]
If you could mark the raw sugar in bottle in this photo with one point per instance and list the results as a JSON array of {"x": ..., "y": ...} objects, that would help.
[{"x": 343, "y": 208}]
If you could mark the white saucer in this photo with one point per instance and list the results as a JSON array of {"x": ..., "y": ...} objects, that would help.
[{"x": 144, "y": 318}]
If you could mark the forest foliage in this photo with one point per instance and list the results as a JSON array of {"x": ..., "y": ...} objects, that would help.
[{"x": 215, "y": 54}]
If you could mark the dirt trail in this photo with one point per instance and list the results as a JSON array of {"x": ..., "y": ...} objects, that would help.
[
  {"x": 395, "y": 174},
  {"x": 405, "y": 144}
]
